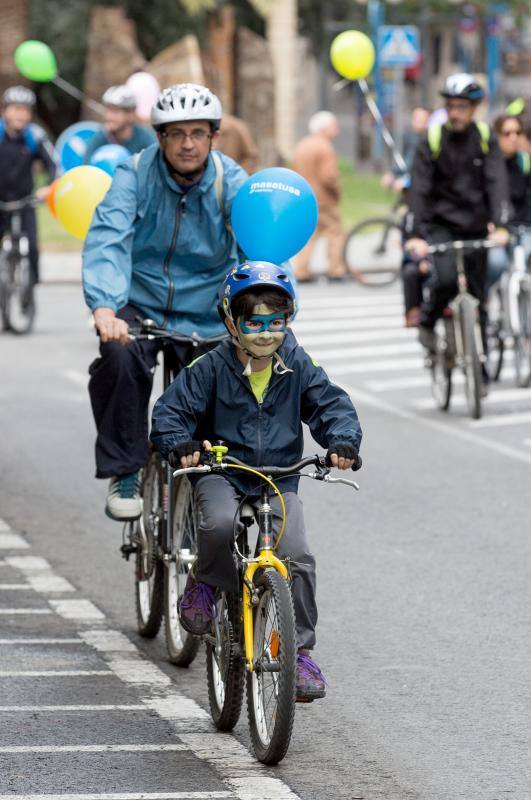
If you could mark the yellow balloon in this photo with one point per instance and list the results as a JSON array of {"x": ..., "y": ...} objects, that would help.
[
  {"x": 352, "y": 55},
  {"x": 76, "y": 196}
]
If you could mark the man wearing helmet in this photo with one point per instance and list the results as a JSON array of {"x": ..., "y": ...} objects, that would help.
[
  {"x": 458, "y": 191},
  {"x": 254, "y": 392},
  {"x": 158, "y": 247},
  {"x": 119, "y": 126},
  {"x": 21, "y": 144}
]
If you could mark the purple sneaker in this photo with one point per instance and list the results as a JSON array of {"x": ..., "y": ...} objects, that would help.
[
  {"x": 310, "y": 680},
  {"x": 197, "y": 606}
]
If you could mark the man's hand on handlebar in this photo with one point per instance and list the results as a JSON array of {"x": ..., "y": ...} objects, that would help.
[
  {"x": 343, "y": 456},
  {"x": 418, "y": 247},
  {"x": 188, "y": 454},
  {"x": 109, "y": 327},
  {"x": 499, "y": 236}
]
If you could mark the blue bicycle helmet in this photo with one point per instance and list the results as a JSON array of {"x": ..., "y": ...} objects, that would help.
[{"x": 252, "y": 275}]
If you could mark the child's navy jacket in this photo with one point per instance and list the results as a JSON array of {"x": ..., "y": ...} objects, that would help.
[{"x": 211, "y": 399}]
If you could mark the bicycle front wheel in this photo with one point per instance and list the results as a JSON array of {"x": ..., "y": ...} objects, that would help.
[
  {"x": 442, "y": 362},
  {"x": 471, "y": 364},
  {"x": 522, "y": 342},
  {"x": 271, "y": 687},
  {"x": 149, "y": 575},
  {"x": 373, "y": 252},
  {"x": 182, "y": 646},
  {"x": 225, "y": 665},
  {"x": 19, "y": 301},
  {"x": 495, "y": 337}
]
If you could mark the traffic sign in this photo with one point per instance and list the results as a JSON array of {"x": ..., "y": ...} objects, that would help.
[{"x": 398, "y": 45}]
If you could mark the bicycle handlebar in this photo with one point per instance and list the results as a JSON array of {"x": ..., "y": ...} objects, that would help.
[
  {"x": 148, "y": 330},
  {"x": 463, "y": 244},
  {"x": 19, "y": 205}
]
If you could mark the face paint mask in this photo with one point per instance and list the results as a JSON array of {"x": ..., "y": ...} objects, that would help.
[{"x": 262, "y": 334}]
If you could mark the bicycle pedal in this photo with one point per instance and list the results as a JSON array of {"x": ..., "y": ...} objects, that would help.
[{"x": 127, "y": 550}]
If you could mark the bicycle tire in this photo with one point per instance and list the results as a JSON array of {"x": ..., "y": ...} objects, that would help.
[
  {"x": 226, "y": 669},
  {"x": 442, "y": 362},
  {"x": 19, "y": 298},
  {"x": 274, "y": 642},
  {"x": 380, "y": 266},
  {"x": 522, "y": 342},
  {"x": 471, "y": 362},
  {"x": 149, "y": 572},
  {"x": 495, "y": 338},
  {"x": 181, "y": 646}
]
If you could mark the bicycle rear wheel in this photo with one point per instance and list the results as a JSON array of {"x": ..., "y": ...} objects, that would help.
[
  {"x": 373, "y": 252},
  {"x": 182, "y": 646},
  {"x": 471, "y": 361},
  {"x": 522, "y": 342},
  {"x": 225, "y": 665},
  {"x": 19, "y": 300},
  {"x": 442, "y": 362},
  {"x": 495, "y": 337},
  {"x": 271, "y": 687},
  {"x": 149, "y": 574}
]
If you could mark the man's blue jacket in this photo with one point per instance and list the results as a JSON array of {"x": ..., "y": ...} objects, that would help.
[
  {"x": 212, "y": 399},
  {"x": 163, "y": 250}
]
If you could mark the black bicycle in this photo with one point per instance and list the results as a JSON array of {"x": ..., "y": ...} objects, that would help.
[
  {"x": 166, "y": 527},
  {"x": 17, "y": 303}
]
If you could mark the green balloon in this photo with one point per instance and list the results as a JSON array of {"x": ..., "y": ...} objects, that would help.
[{"x": 36, "y": 61}]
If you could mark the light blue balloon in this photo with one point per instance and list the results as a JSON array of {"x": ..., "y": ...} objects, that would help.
[
  {"x": 108, "y": 157},
  {"x": 71, "y": 146},
  {"x": 274, "y": 214}
]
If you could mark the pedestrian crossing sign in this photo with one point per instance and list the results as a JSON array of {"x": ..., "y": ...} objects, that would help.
[{"x": 398, "y": 45}]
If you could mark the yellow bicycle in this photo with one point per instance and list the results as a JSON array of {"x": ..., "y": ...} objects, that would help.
[{"x": 253, "y": 637}]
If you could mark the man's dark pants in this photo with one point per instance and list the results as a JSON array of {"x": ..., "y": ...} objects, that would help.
[{"x": 120, "y": 386}]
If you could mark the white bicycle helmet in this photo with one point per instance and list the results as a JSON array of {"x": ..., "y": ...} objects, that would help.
[
  {"x": 19, "y": 95},
  {"x": 119, "y": 97},
  {"x": 185, "y": 102},
  {"x": 463, "y": 85}
]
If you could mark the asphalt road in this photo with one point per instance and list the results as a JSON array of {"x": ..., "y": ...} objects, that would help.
[{"x": 424, "y": 591}]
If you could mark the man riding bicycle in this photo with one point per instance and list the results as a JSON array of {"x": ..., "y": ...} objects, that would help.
[
  {"x": 158, "y": 247},
  {"x": 119, "y": 126},
  {"x": 21, "y": 144},
  {"x": 458, "y": 191}
]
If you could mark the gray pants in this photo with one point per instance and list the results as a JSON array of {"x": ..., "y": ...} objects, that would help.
[{"x": 217, "y": 503}]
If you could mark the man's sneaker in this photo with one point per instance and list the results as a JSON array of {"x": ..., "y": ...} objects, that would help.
[
  {"x": 197, "y": 606},
  {"x": 123, "y": 498},
  {"x": 427, "y": 338},
  {"x": 310, "y": 680}
]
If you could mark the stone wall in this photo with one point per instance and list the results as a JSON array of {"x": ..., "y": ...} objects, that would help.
[{"x": 178, "y": 63}]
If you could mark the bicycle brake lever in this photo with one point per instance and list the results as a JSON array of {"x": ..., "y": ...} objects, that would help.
[
  {"x": 186, "y": 470},
  {"x": 329, "y": 479}
]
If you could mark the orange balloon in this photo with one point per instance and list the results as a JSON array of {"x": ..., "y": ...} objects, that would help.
[{"x": 50, "y": 200}]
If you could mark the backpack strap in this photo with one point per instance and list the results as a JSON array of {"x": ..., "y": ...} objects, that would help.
[
  {"x": 434, "y": 139},
  {"x": 484, "y": 134},
  {"x": 524, "y": 162},
  {"x": 136, "y": 159},
  {"x": 218, "y": 183},
  {"x": 30, "y": 134}
]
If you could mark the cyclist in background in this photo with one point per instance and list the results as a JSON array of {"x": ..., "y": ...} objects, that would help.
[
  {"x": 254, "y": 392},
  {"x": 119, "y": 126},
  {"x": 22, "y": 143},
  {"x": 510, "y": 132},
  {"x": 458, "y": 191},
  {"x": 158, "y": 247},
  {"x": 399, "y": 179}
]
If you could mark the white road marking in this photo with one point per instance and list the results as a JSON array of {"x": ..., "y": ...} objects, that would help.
[
  {"x": 41, "y": 577},
  {"x": 40, "y": 641},
  {"x": 55, "y": 673},
  {"x": 327, "y": 316},
  {"x": 13, "y": 587},
  {"x": 29, "y": 564},
  {"x": 371, "y": 351},
  {"x": 25, "y": 709},
  {"x": 175, "y": 706},
  {"x": 371, "y": 323},
  {"x": 333, "y": 301},
  {"x": 501, "y": 420},
  {"x": 23, "y": 611},
  {"x": 106, "y": 641},
  {"x": 80, "y": 610},
  {"x": 12, "y": 541},
  {"x": 527, "y": 442},
  {"x": 93, "y": 748},
  {"x": 392, "y": 384},
  {"x": 361, "y": 396},
  {"x": 334, "y": 367},
  {"x": 77, "y": 377},
  {"x": 138, "y": 671},
  {"x": 263, "y": 788},
  {"x": 4, "y": 527},
  {"x": 124, "y": 796},
  {"x": 315, "y": 340}
]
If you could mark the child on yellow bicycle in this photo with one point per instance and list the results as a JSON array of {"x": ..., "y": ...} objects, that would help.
[{"x": 257, "y": 411}]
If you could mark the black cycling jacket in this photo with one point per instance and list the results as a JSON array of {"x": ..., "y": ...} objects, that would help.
[
  {"x": 520, "y": 190},
  {"x": 462, "y": 188},
  {"x": 16, "y": 163}
]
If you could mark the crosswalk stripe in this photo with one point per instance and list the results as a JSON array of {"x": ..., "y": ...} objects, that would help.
[
  {"x": 501, "y": 420},
  {"x": 496, "y": 396},
  {"x": 369, "y": 323},
  {"x": 383, "y": 365},
  {"x": 347, "y": 336},
  {"x": 345, "y": 313},
  {"x": 372, "y": 351},
  {"x": 343, "y": 299}
]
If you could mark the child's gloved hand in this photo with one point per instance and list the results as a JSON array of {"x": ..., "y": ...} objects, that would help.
[
  {"x": 343, "y": 456},
  {"x": 188, "y": 454}
]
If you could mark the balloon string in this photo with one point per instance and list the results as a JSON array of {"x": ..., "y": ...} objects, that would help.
[
  {"x": 73, "y": 92},
  {"x": 375, "y": 111}
]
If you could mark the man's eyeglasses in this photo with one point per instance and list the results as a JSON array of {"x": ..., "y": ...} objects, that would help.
[{"x": 198, "y": 136}]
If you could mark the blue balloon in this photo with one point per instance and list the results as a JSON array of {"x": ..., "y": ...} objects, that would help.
[
  {"x": 108, "y": 157},
  {"x": 71, "y": 146},
  {"x": 274, "y": 214}
]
